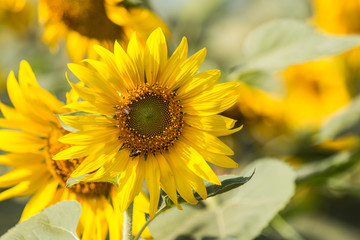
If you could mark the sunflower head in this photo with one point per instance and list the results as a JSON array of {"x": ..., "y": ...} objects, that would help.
[
  {"x": 150, "y": 119},
  {"x": 31, "y": 139},
  {"x": 17, "y": 14},
  {"x": 322, "y": 87},
  {"x": 338, "y": 17},
  {"x": 61, "y": 170},
  {"x": 84, "y": 23},
  {"x": 154, "y": 119}
]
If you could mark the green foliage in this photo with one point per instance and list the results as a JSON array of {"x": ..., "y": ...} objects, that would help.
[
  {"x": 321, "y": 171},
  {"x": 281, "y": 43},
  {"x": 277, "y": 44},
  {"x": 74, "y": 180},
  {"x": 342, "y": 121},
  {"x": 228, "y": 182},
  {"x": 238, "y": 214},
  {"x": 56, "y": 222}
]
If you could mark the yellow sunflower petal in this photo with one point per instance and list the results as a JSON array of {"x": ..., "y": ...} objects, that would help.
[
  {"x": 73, "y": 152},
  {"x": 41, "y": 199},
  {"x": 90, "y": 121},
  {"x": 26, "y": 75},
  {"x": 15, "y": 94},
  {"x": 167, "y": 179},
  {"x": 90, "y": 136},
  {"x": 114, "y": 222},
  {"x": 188, "y": 69},
  {"x": 217, "y": 159},
  {"x": 111, "y": 168},
  {"x": 183, "y": 186},
  {"x": 126, "y": 67},
  {"x": 210, "y": 123},
  {"x": 90, "y": 78},
  {"x": 76, "y": 45},
  {"x": 90, "y": 108},
  {"x": 155, "y": 55},
  {"x": 141, "y": 206},
  {"x": 21, "y": 159},
  {"x": 17, "y": 175},
  {"x": 215, "y": 124},
  {"x": 87, "y": 219},
  {"x": 130, "y": 183},
  {"x": 109, "y": 59},
  {"x": 15, "y": 141},
  {"x": 206, "y": 108},
  {"x": 22, "y": 189},
  {"x": 195, "y": 162},
  {"x": 173, "y": 65},
  {"x": 198, "y": 84},
  {"x": 134, "y": 50},
  {"x": 152, "y": 179},
  {"x": 98, "y": 155},
  {"x": 29, "y": 85},
  {"x": 206, "y": 141}
]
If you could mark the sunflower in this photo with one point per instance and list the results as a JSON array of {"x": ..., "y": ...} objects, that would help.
[
  {"x": 338, "y": 17},
  {"x": 321, "y": 85},
  {"x": 341, "y": 17},
  {"x": 155, "y": 118},
  {"x": 84, "y": 23},
  {"x": 30, "y": 147},
  {"x": 17, "y": 14}
]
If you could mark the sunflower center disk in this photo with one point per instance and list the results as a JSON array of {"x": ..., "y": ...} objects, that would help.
[
  {"x": 150, "y": 120},
  {"x": 85, "y": 17},
  {"x": 62, "y": 169}
]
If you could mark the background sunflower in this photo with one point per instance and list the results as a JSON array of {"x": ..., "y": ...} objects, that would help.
[
  {"x": 326, "y": 203},
  {"x": 30, "y": 152}
]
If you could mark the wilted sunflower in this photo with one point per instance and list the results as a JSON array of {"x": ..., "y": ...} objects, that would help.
[
  {"x": 157, "y": 119},
  {"x": 84, "y": 23},
  {"x": 31, "y": 145}
]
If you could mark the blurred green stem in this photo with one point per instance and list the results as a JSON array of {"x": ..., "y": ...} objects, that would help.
[
  {"x": 285, "y": 229},
  {"x": 128, "y": 218},
  {"x": 321, "y": 170},
  {"x": 161, "y": 210}
]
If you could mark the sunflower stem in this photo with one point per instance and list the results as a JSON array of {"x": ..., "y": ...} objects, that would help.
[
  {"x": 128, "y": 218},
  {"x": 138, "y": 235}
]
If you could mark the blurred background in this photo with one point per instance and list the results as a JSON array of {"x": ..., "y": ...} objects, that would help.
[{"x": 282, "y": 114}]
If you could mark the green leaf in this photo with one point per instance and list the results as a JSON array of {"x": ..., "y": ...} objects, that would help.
[
  {"x": 321, "y": 171},
  {"x": 280, "y": 43},
  {"x": 56, "y": 222},
  {"x": 263, "y": 80},
  {"x": 65, "y": 126},
  {"x": 228, "y": 182},
  {"x": 343, "y": 120},
  {"x": 76, "y": 113},
  {"x": 74, "y": 180},
  {"x": 241, "y": 213}
]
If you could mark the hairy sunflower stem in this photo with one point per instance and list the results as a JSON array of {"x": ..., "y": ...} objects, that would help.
[
  {"x": 161, "y": 210},
  {"x": 128, "y": 218}
]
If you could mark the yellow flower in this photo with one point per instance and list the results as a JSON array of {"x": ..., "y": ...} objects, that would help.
[
  {"x": 84, "y": 23},
  {"x": 341, "y": 17},
  {"x": 17, "y": 14},
  {"x": 31, "y": 145},
  {"x": 314, "y": 91},
  {"x": 263, "y": 112},
  {"x": 338, "y": 17},
  {"x": 157, "y": 119}
]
